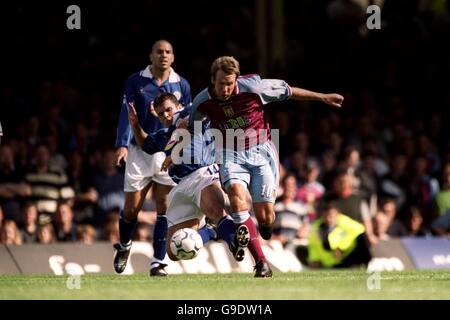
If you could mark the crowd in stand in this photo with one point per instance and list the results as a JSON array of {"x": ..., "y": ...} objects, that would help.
[{"x": 383, "y": 159}]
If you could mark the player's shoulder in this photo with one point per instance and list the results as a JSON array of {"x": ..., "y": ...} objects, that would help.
[
  {"x": 183, "y": 81},
  {"x": 248, "y": 82},
  {"x": 175, "y": 77},
  {"x": 135, "y": 76},
  {"x": 201, "y": 98}
]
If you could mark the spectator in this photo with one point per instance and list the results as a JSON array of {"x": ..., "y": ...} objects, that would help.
[
  {"x": 46, "y": 233},
  {"x": 48, "y": 185},
  {"x": 329, "y": 170},
  {"x": 12, "y": 186},
  {"x": 86, "y": 234},
  {"x": 369, "y": 180},
  {"x": 9, "y": 233},
  {"x": 396, "y": 228},
  {"x": 57, "y": 160},
  {"x": 85, "y": 194},
  {"x": 441, "y": 205},
  {"x": 110, "y": 230},
  {"x": 108, "y": 183},
  {"x": 29, "y": 226},
  {"x": 381, "y": 225},
  {"x": 312, "y": 190},
  {"x": 291, "y": 219},
  {"x": 351, "y": 204},
  {"x": 64, "y": 223},
  {"x": 423, "y": 188},
  {"x": 143, "y": 232},
  {"x": 397, "y": 181},
  {"x": 337, "y": 240},
  {"x": 414, "y": 222}
]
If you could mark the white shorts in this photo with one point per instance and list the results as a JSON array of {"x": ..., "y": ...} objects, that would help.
[
  {"x": 184, "y": 199},
  {"x": 142, "y": 168}
]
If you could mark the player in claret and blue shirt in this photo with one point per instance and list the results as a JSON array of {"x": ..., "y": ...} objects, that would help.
[
  {"x": 198, "y": 192},
  {"x": 247, "y": 158}
]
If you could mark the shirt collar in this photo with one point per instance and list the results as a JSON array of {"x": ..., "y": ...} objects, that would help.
[{"x": 173, "y": 76}]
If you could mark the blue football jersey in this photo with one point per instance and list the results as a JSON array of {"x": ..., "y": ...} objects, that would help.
[
  {"x": 197, "y": 154},
  {"x": 141, "y": 89}
]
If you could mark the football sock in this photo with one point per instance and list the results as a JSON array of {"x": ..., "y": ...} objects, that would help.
[
  {"x": 206, "y": 234},
  {"x": 226, "y": 230},
  {"x": 159, "y": 237},
  {"x": 126, "y": 230}
]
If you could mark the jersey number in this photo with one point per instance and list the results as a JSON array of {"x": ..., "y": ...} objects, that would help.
[{"x": 213, "y": 169}]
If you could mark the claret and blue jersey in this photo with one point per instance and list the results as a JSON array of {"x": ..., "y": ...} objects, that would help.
[
  {"x": 141, "y": 89},
  {"x": 244, "y": 109}
]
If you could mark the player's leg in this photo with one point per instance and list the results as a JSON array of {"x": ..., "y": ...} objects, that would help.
[
  {"x": 162, "y": 186},
  {"x": 235, "y": 179},
  {"x": 160, "y": 194},
  {"x": 263, "y": 189},
  {"x": 265, "y": 214},
  {"x": 136, "y": 185},
  {"x": 212, "y": 204},
  {"x": 127, "y": 226}
]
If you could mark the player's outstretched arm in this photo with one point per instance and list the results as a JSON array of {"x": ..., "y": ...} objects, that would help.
[
  {"x": 139, "y": 134},
  {"x": 332, "y": 99}
]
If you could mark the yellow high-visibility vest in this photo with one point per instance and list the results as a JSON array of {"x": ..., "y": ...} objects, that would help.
[{"x": 343, "y": 237}]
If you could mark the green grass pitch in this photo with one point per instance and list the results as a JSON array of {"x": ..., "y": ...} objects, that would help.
[{"x": 336, "y": 284}]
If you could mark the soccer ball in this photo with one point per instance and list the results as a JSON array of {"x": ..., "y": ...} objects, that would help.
[{"x": 186, "y": 243}]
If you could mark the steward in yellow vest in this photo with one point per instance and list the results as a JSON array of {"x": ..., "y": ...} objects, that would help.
[{"x": 336, "y": 240}]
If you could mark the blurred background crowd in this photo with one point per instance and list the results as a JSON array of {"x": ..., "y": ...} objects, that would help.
[{"x": 384, "y": 158}]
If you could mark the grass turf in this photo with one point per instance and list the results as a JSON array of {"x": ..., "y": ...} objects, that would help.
[{"x": 336, "y": 284}]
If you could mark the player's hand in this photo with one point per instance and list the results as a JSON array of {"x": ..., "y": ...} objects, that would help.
[
  {"x": 333, "y": 99},
  {"x": 121, "y": 155},
  {"x": 167, "y": 163},
  {"x": 132, "y": 114}
]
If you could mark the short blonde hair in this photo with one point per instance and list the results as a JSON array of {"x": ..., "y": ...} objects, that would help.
[{"x": 227, "y": 64}]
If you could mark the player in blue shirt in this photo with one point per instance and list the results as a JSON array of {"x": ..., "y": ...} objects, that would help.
[
  {"x": 198, "y": 191},
  {"x": 142, "y": 170}
]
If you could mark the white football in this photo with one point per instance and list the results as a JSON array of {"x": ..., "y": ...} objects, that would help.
[{"x": 186, "y": 243}]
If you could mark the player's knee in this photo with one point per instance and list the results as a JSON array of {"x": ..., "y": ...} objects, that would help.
[
  {"x": 237, "y": 195},
  {"x": 161, "y": 203},
  {"x": 130, "y": 213},
  {"x": 268, "y": 219},
  {"x": 265, "y": 215},
  {"x": 216, "y": 213}
]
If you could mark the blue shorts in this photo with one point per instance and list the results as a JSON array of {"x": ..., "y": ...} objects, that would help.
[{"x": 256, "y": 168}]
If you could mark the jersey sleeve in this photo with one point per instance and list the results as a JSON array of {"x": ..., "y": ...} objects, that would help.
[
  {"x": 196, "y": 115},
  {"x": 155, "y": 142},
  {"x": 186, "y": 98},
  {"x": 123, "y": 127},
  {"x": 269, "y": 90},
  {"x": 272, "y": 90}
]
